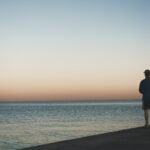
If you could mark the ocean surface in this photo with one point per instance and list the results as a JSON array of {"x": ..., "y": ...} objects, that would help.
[{"x": 25, "y": 124}]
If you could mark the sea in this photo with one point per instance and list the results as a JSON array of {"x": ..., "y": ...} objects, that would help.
[{"x": 26, "y": 124}]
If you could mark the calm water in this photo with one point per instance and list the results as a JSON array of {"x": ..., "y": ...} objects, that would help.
[{"x": 28, "y": 124}]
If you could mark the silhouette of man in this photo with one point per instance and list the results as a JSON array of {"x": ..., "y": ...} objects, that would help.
[{"x": 144, "y": 89}]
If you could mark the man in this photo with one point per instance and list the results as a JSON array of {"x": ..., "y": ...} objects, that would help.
[{"x": 144, "y": 89}]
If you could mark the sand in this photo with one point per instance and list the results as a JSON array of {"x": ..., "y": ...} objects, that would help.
[{"x": 129, "y": 139}]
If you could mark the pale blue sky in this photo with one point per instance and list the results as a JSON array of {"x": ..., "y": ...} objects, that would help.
[{"x": 69, "y": 39}]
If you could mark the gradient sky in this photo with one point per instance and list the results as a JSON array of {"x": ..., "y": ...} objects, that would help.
[{"x": 73, "y": 49}]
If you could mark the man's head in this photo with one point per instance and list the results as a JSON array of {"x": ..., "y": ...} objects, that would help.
[{"x": 147, "y": 73}]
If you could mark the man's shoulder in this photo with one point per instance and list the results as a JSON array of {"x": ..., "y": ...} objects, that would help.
[{"x": 145, "y": 81}]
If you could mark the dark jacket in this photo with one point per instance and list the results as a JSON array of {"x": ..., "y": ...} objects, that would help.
[{"x": 144, "y": 89}]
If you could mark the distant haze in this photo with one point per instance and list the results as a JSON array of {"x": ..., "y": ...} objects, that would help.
[{"x": 73, "y": 49}]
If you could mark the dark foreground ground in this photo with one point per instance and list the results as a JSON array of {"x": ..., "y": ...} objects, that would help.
[{"x": 129, "y": 139}]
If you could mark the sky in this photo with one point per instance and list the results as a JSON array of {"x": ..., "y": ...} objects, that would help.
[{"x": 73, "y": 49}]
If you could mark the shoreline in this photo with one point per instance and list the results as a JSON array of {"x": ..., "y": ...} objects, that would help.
[{"x": 128, "y": 139}]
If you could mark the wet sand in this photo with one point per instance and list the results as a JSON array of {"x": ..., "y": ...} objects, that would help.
[{"x": 129, "y": 139}]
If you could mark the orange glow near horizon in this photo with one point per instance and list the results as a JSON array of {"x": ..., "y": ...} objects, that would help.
[
  {"x": 69, "y": 95},
  {"x": 67, "y": 87}
]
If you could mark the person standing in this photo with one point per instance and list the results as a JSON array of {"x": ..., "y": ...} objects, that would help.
[{"x": 144, "y": 89}]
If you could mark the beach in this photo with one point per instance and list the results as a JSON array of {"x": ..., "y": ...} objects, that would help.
[{"x": 128, "y": 139}]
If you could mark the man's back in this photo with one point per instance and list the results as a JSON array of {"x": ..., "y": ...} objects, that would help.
[{"x": 145, "y": 88}]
